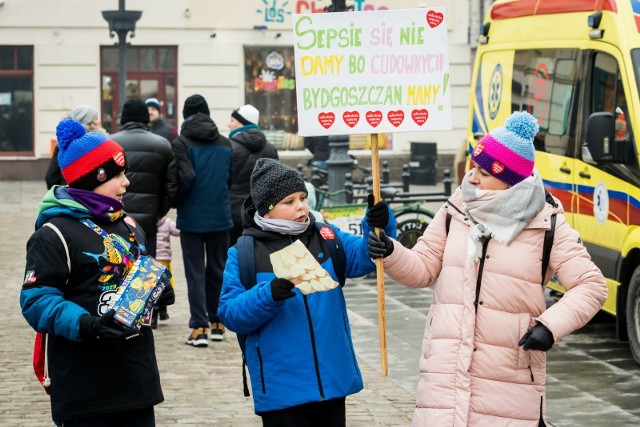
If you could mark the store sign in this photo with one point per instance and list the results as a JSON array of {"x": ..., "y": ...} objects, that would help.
[{"x": 372, "y": 72}]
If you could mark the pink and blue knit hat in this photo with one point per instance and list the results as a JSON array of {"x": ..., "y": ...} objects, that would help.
[
  {"x": 507, "y": 152},
  {"x": 87, "y": 159}
]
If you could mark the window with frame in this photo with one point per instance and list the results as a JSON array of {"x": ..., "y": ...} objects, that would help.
[
  {"x": 16, "y": 100},
  {"x": 544, "y": 84}
]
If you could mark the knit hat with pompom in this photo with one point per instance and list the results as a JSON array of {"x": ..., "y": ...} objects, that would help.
[
  {"x": 507, "y": 152},
  {"x": 87, "y": 160}
]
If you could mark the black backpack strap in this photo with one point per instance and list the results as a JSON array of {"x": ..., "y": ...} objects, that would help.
[
  {"x": 247, "y": 268},
  {"x": 336, "y": 251},
  {"x": 447, "y": 223},
  {"x": 547, "y": 245}
]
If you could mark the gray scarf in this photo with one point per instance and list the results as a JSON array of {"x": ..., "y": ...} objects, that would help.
[
  {"x": 281, "y": 226},
  {"x": 501, "y": 214}
]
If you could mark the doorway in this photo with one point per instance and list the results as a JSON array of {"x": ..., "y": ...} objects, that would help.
[{"x": 151, "y": 73}]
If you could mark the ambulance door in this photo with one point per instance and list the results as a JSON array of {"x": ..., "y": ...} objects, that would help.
[
  {"x": 603, "y": 187},
  {"x": 545, "y": 84}
]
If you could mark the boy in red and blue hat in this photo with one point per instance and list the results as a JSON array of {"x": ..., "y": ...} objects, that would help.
[{"x": 83, "y": 247}]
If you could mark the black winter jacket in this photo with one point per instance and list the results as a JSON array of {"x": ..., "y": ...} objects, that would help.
[
  {"x": 152, "y": 172},
  {"x": 164, "y": 129},
  {"x": 248, "y": 145}
]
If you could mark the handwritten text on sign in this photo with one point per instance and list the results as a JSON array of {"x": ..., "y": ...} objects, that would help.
[{"x": 372, "y": 72}]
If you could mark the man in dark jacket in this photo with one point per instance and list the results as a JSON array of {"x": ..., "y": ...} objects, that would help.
[
  {"x": 157, "y": 124},
  {"x": 152, "y": 170},
  {"x": 204, "y": 160},
  {"x": 249, "y": 144},
  {"x": 153, "y": 176}
]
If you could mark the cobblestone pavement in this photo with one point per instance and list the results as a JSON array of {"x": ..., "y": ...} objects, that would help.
[
  {"x": 202, "y": 386},
  {"x": 592, "y": 380}
]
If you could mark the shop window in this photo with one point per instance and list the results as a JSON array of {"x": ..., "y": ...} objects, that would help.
[
  {"x": 270, "y": 87},
  {"x": 16, "y": 100}
]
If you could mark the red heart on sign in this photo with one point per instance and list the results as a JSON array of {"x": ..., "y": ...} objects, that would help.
[
  {"x": 351, "y": 118},
  {"x": 434, "y": 18},
  {"x": 497, "y": 168},
  {"x": 373, "y": 117},
  {"x": 326, "y": 119},
  {"x": 395, "y": 117},
  {"x": 420, "y": 116}
]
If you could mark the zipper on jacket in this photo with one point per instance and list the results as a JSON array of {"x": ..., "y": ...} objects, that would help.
[
  {"x": 485, "y": 244},
  {"x": 313, "y": 347},
  {"x": 541, "y": 422},
  {"x": 264, "y": 387},
  {"x": 531, "y": 371}
]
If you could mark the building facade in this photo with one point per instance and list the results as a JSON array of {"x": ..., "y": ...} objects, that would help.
[{"x": 57, "y": 55}]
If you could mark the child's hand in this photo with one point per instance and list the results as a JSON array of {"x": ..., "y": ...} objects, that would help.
[
  {"x": 99, "y": 327},
  {"x": 378, "y": 215},
  {"x": 379, "y": 247},
  {"x": 281, "y": 289}
]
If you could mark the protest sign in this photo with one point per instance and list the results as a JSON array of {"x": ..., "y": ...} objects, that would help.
[{"x": 372, "y": 72}]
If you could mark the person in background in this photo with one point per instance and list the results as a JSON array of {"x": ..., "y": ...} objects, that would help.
[
  {"x": 157, "y": 124},
  {"x": 166, "y": 229},
  {"x": 249, "y": 144},
  {"x": 204, "y": 160},
  {"x": 82, "y": 249},
  {"x": 483, "y": 356},
  {"x": 152, "y": 169},
  {"x": 319, "y": 147},
  {"x": 299, "y": 350},
  {"x": 90, "y": 119},
  {"x": 153, "y": 176}
]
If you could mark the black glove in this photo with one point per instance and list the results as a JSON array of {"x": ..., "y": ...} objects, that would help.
[
  {"x": 281, "y": 289},
  {"x": 98, "y": 327},
  {"x": 378, "y": 215},
  {"x": 379, "y": 247},
  {"x": 537, "y": 338}
]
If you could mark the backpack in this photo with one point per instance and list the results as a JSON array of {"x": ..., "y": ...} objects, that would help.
[
  {"x": 548, "y": 235},
  {"x": 247, "y": 267}
]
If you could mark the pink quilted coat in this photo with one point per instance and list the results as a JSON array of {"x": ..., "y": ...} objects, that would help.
[
  {"x": 472, "y": 371},
  {"x": 166, "y": 229}
]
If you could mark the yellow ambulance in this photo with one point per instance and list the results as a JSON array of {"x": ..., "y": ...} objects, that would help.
[{"x": 575, "y": 65}]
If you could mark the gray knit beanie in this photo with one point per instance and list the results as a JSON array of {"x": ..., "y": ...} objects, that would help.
[
  {"x": 272, "y": 181},
  {"x": 84, "y": 114}
]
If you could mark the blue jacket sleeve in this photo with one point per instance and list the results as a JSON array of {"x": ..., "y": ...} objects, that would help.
[
  {"x": 46, "y": 310},
  {"x": 244, "y": 310},
  {"x": 358, "y": 261}
]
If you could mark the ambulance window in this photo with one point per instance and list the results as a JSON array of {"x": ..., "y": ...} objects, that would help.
[
  {"x": 543, "y": 84},
  {"x": 603, "y": 83}
]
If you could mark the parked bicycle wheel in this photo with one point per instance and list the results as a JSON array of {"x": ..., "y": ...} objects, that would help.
[{"x": 411, "y": 225}]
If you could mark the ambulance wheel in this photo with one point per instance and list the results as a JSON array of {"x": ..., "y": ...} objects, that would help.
[{"x": 633, "y": 315}]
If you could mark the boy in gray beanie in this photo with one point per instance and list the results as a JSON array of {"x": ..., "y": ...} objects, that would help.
[{"x": 298, "y": 340}]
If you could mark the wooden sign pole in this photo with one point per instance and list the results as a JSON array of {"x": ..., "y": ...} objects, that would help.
[{"x": 382, "y": 323}]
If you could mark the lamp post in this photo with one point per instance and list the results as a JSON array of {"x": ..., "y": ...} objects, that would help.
[
  {"x": 122, "y": 22},
  {"x": 339, "y": 162}
]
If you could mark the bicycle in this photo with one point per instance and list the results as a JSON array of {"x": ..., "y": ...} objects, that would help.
[{"x": 412, "y": 218}]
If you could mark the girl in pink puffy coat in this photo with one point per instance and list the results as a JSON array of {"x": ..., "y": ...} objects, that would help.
[
  {"x": 166, "y": 229},
  {"x": 483, "y": 357}
]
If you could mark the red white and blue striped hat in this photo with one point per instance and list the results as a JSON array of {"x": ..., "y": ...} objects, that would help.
[
  {"x": 87, "y": 160},
  {"x": 507, "y": 152}
]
